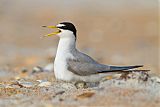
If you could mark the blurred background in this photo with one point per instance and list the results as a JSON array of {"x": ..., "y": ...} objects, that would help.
[{"x": 116, "y": 32}]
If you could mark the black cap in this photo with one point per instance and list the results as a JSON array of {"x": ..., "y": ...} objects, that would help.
[{"x": 68, "y": 26}]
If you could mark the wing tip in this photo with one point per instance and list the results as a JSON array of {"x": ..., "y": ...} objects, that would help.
[{"x": 139, "y": 66}]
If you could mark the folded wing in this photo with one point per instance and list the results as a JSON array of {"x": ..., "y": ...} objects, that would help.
[{"x": 85, "y": 68}]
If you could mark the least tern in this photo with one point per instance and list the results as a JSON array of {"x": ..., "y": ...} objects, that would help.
[{"x": 72, "y": 65}]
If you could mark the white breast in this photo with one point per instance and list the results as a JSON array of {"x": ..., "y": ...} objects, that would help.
[
  {"x": 60, "y": 67},
  {"x": 63, "y": 53}
]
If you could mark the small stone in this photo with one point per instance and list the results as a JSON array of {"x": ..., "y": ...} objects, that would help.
[
  {"x": 8, "y": 86},
  {"x": 25, "y": 84},
  {"x": 17, "y": 78},
  {"x": 61, "y": 99},
  {"x": 85, "y": 95},
  {"x": 24, "y": 70},
  {"x": 60, "y": 92},
  {"x": 37, "y": 69},
  {"x": 44, "y": 83},
  {"x": 49, "y": 68},
  {"x": 80, "y": 85},
  {"x": 155, "y": 79},
  {"x": 109, "y": 77}
]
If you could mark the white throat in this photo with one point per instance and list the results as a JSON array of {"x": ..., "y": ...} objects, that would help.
[
  {"x": 67, "y": 42},
  {"x": 66, "y": 45}
]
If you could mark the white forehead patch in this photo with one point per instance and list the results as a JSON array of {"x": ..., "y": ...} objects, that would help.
[{"x": 60, "y": 25}]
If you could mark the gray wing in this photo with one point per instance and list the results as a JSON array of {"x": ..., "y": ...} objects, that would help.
[
  {"x": 84, "y": 65},
  {"x": 85, "y": 68}
]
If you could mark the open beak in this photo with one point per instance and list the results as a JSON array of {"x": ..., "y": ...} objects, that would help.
[{"x": 54, "y": 33}]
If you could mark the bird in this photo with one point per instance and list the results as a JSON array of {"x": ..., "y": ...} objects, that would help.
[{"x": 72, "y": 65}]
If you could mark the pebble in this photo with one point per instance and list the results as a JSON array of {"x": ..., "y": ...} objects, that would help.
[
  {"x": 43, "y": 83},
  {"x": 49, "y": 67},
  {"x": 24, "y": 70},
  {"x": 25, "y": 84},
  {"x": 37, "y": 69},
  {"x": 85, "y": 95},
  {"x": 155, "y": 79},
  {"x": 80, "y": 85}
]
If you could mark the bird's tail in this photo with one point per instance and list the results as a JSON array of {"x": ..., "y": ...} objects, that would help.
[{"x": 121, "y": 68}]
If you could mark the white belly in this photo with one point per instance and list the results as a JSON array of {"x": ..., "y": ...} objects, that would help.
[{"x": 60, "y": 69}]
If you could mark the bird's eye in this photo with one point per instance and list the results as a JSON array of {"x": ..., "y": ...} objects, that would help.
[{"x": 59, "y": 30}]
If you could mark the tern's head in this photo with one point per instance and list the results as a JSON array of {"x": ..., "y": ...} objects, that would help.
[{"x": 65, "y": 29}]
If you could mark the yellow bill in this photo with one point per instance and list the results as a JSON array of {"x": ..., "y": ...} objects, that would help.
[{"x": 54, "y": 33}]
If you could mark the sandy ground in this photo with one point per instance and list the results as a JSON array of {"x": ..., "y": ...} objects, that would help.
[
  {"x": 116, "y": 33},
  {"x": 40, "y": 89}
]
